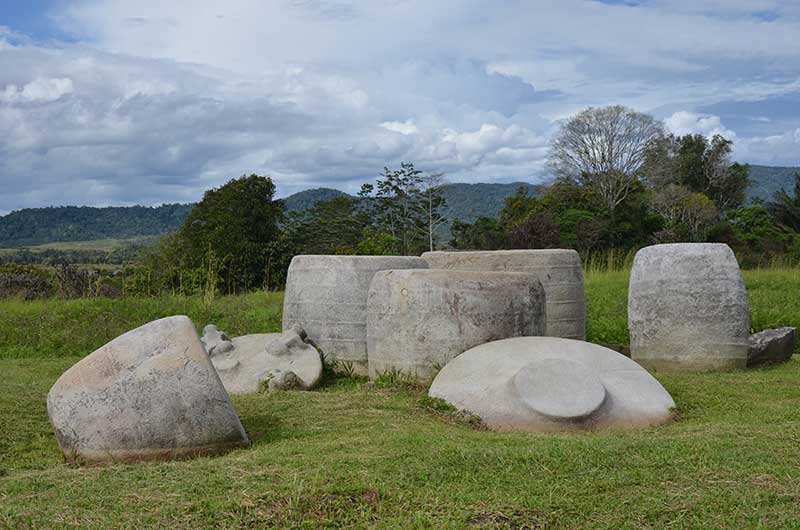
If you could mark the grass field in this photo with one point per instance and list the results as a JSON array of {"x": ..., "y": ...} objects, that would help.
[
  {"x": 105, "y": 245},
  {"x": 352, "y": 455}
]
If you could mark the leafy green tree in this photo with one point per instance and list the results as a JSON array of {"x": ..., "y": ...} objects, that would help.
[
  {"x": 334, "y": 226},
  {"x": 785, "y": 208},
  {"x": 483, "y": 234},
  {"x": 376, "y": 243},
  {"x": 406, "y": 205},
  {"x": 237, "y": 225},
  {"x": 538, "y": 230},
  {"x": 688, "y": 215},
  {"x": 701, "y": 166}
]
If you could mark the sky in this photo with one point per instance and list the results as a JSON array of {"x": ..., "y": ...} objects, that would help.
[{"x": 114, "y": 102}]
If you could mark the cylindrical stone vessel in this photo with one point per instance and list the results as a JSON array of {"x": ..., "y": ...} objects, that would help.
[
  {"x": 559, "y": 270},
  {"x": 688, "y": 309},
  {"x": 417, "y": 320},
  {"x": 327, "y": 297}
]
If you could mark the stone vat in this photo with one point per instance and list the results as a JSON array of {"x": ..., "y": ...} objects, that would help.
[
  {"x": 327, "y": 297},
  {"x": 559, "y": 270},
  {"x": 417, "y": 320},
  {"x": 688, "y": 308}
]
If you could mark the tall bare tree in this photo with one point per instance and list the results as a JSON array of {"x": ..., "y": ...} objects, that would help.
[
  {"x": 430, "y": 205},
  {"x": 605, "y": 148}
]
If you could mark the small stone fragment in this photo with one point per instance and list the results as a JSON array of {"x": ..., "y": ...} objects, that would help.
[
  {"x": 771, "y": 346},
  {"x": 215, "y": 341}
]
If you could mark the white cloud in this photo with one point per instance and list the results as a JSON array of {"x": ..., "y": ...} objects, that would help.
[
  {"x": 684, "y": 122},
  {"x": 38, "y": 90},
  {"x": 402, "y": 127},
  {"x": 157, "y": 101}
]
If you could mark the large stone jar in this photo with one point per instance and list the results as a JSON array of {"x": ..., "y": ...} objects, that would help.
[
  {"x": 687, "y": 308},
  {"x": 150, "y": 394},
  {"x": 327, "y": 297},
  {"x": 417, "y": 320},
  {"x": 559, "y": 270}
]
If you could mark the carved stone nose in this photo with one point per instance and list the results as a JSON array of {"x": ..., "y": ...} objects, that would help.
[{"x": 560, "y": 389}]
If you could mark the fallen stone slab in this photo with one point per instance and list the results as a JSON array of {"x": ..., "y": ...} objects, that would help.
[
  {"x": 771, "y": 346},
  {"x": 265, "y": 361},
  {"x": 543, "y": 384},
  {"x": 149, "y": 394}
]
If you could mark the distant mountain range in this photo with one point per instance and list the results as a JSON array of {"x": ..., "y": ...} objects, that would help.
[
  {"x": 466, "y": 202},
  {"x": 766, "y": 180}
]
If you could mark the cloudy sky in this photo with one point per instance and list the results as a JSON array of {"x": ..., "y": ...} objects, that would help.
[{"x": 108, "y": 102}]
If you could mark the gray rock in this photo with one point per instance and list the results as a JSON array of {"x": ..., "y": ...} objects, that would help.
[
  {"x": 327, "y": 296},
  {"x": 559, "y": 270},
  {"x": 277, "y": 361},
  {"x": 542, "y": 384},
  {"x": 215, "y": 341},
  {"x": 688, "y": 308},
  {"x": 151, "y": 393},
  {"x": 771, "y": 346},
  {"x": 417, "y": 320}
]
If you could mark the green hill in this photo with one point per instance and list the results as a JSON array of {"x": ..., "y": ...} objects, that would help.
[
  {"x": 38, "y": 226},
  {"x": 305, "y": 199},
  {"x": 766, "y": 180}
]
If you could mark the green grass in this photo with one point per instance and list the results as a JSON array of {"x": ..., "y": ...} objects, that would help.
[
  {"x": 353, "y": 455},
  {"x": 105, "y": 245},
  {"x": 58, "y": 328}
]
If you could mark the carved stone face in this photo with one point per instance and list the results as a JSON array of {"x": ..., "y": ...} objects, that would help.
[
  {"x": 552, "y": 384},
  {"x": 251, "y": 363}
]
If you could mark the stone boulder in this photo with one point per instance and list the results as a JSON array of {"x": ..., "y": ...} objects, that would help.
[
  {"x": 771, "y": 346},
  {"x": 151, "y": 393},
  {"x": 417, "y": 320},
  {"x": 275, "y": 361},
  {"x": 559, "y": 270},
  {"x": 327, "y": 296},
  {"x": 215, "y": 341},
  {"x": 688, "y": 308},
  {"x": 543, "y": 384}
]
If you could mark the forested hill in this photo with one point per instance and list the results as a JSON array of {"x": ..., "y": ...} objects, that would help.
[
  {"x": 36, "y": 226},
  {"x": 766, "y": 180},
  {"x": 305, "y": 199}
]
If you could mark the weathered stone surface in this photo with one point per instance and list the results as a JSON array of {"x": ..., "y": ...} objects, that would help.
[
  {"x": 771, "y": 346},
  {"x": 281, "y": 361},
  {"x": 541, "y": 384},
  {"x": 559, "y": 271},
  {"x": 417, "y": 320},
  {"x": 688, "y": 308},
  {"x": 151, "y": 393},
  {"x": 327, "y": 296},
  {"x": 215, "y": 341}
]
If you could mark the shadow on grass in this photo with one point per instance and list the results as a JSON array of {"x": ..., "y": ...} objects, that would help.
[{"x": 263, "y": 428}]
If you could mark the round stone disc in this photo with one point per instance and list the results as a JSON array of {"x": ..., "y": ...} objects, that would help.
[{"x": 560, "y": 389}]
